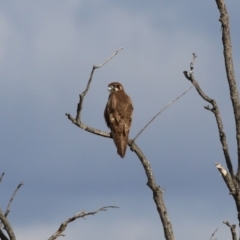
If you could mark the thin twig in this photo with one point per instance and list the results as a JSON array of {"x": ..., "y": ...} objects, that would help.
[
  {"x": 77, "y": 120},
  {"x": 109, "y": 58},
  {"x": 11, "y": 200},
  {"x": 186, "y": 73},
  {"x": 82, "y": 95},
  {"x": 82, "y": 214},
  {"x": 174, "y": 100},
  {"x": 192, "y": 62},
  {"x": 213, "y": 234},
  {"x": 7, "y": 226},
  {"x": 2, "y": 176},
  {"x": 232, "y": 229}
]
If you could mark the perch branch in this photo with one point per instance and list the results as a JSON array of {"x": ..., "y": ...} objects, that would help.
[
  {"x": 232, "y": 229},
  {"x": 174, "y": 100},
  {"x": 82, "y": 214},
  {"x": 11, "y": 200},
  {"x": 213, "y": 234},
  {"x": 87, "y": 128},
  {"x": 82, "y": 95},
  {"x": 2, "y": 176},
  {"x": 215, "y": 110},
  {"x": 156, "y": 190},
  {"x": 7, "y": 226},
  {"x": 227, "y": 52}
]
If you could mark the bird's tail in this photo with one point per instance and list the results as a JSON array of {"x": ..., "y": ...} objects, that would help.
[{"x": 121, "y": 143}]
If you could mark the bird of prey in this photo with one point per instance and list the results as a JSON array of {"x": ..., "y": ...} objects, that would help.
[{"x": 118, "y": 116}]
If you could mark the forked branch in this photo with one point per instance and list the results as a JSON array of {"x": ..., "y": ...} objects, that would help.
[
  {"x": 215, "y": 110},
  {"x": 230, "y": 179},
  {"x": 232, "y": 229},
  {"x": 83, "y": 94},
  {"x": 77, "y": 120},
  {"x": 82, "y": 214},
  {"x": 157, "y": 192}
]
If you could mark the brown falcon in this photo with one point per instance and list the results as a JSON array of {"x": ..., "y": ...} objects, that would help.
[{"x": 118, "y": 116}]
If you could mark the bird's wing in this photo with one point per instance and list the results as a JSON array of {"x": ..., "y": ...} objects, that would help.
[{"x": 118, "y": 116}]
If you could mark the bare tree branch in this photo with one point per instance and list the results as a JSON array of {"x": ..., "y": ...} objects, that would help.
[
  {"x": 7, "y": 226},
  {"x": 213, "y": 234},
  {"x": 77, "y": 119},
  {"x": 87, "y": 128},
  {"x": 233, "y": 230},
  {"x": 2, "y": 176},
  {"x": 11, "y": 200},
  {"x": 230, "y": 179},
  {"x": 2, "y": 235},
  {"x": 82, "y": 95},
  {"x": 174, "y": 100},
  {"x": 83, "y": 214},
  {"x": 156, "y": 190},
  {"x": 4, "y": 220},
  {"x": 215, "y": 110},
  {"x": 227, "y": 52}
]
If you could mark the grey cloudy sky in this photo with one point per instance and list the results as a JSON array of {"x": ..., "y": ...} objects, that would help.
[{"x": 47, "y": 49}]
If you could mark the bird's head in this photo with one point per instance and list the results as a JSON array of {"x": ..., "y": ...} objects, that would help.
[{"x": 115, "y": 86}]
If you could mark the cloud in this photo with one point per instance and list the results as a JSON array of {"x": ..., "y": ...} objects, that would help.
[{"x": 47, "y": 50}]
